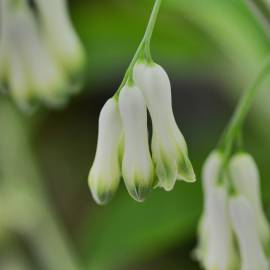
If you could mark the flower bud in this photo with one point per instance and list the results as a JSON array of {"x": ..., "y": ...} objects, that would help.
[
  {"x": 169, "y": 148},
  {"x": 244, "y": 225},
  {"x": 44, "y": 78},
  {"x": 105, "y": 173},
  {"x": 216, "y": 249},
  {"x": 137, "y": 167},
  {"x": 211, "y": 171},
  {"x": 246, "y": 181}
]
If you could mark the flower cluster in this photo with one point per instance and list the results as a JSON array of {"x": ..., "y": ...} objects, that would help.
[
  {"x": 123, "y": 148},
  {"x": 41, "y": 56},
  {"x": 233, "y": 233}
]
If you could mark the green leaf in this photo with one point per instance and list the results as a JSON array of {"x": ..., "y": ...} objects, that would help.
[{"x": 125, "y": 230}]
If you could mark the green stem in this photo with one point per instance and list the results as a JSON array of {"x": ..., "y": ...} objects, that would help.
[
  {"x": 150, "y": 28},
  {"x": 144, "y": 46},
  {"x": 261, "y": 10},
  {"x": 234, "y": 128}
]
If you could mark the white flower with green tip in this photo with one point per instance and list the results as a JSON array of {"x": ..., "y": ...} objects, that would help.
[
  {"x": 216, "y": 249},
  {"x": 148, "y": 86},
  {"x": 105, "y": 173},
  {"x": 137, "y": 166},
  {"x": 169, "y": 148},
  {"x": 245, "y": 228},
  {"x": 246, "y": 181}
]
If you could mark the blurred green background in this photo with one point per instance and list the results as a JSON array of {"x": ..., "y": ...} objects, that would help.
[{"x": 211, "y": 50}]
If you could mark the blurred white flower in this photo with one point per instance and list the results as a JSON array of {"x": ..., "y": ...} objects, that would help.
[
  {"x": 211, "y": 171},
  {"x": 248, "y": 238},
  {"x": 216, "y": 249},
  {"x": 233, "y": 232},
  {"x": 246, "y": 181},
  {"x": 137, "y": 167},
  {"x": 31, "y": 65},
  {"x": 169, "y": 148},
  {"x": 105, "y": 173},
  {"x": 30, "y": 69},
  {"x": 66, "y": 47}
]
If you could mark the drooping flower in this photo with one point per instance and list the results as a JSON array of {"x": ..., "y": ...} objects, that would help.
[
  {"x": 30, "y": 59},
  {"x": 29, "y": 67},
  {"x": 248, "y": 238},
  {"x": 105, "y": 172},
  {"x": 148, "y": 86},
  {"x": 246, "y": 182},
  {"x": 137, "y": 167},
  {"x": 216, "y": 249},
  {"x": 169, "y": 149}
]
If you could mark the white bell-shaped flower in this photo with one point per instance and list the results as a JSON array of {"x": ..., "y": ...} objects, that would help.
[
  {"x": 216, "y": 249},
  {"x": 41, "y": 56},
  {"x": 169, "y": 149},
  {"x": 60, "y": 34},
  {"x": 245, "y": 228},
  {"x": 43, "y": 76},
  {"x": 105, "y": 173},
  {"x": 246, "y": 180},
  {"x": 137, "y": 166}
]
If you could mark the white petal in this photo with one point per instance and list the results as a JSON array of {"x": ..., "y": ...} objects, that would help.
[
  {"x": 60, "y": 33},
  {"x": 19, "y": 87},
  {"x": 246, "y": 180},
  {"x": 155, "y": 85},
  {"x": 252, "y": 254},
  {"x": 105, "y": 173},
  {"x": 168, "y": 144},
  {"x": 44, "y": 76},
  {"x": 137, "y": 167},
  {"x": 216, "y": 247},
  {"x": 211, "y": 171}
]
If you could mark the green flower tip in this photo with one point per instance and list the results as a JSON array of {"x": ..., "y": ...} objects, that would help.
[
  {"x": 102, "y": 197},
  {"x": 186, "y": 171},
  {"x": 139, "y": 192},
  {"x": 101, "y": 192}
]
